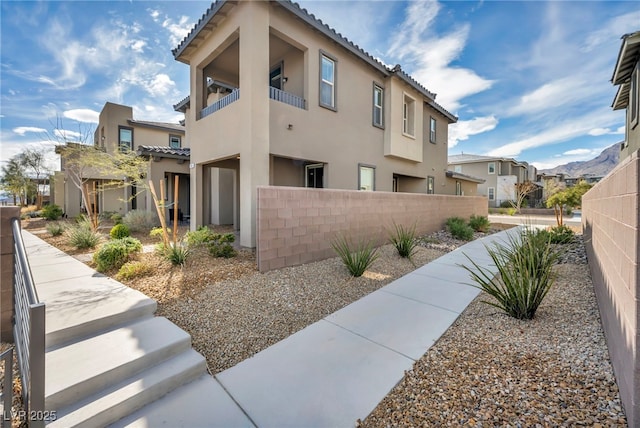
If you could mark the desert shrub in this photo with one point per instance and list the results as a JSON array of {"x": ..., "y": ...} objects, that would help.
[
  {"x": 220, "y": 245},
  {"x": 177, "y": 254},
  {"x": 140, "y": 220},
  {"x": 119, "y": 231},
  {"x": 34, "y": 214},
  {"x": 55, "y": 229},
  {"x": 479, "y": 223},
  {"x": 134, "y": 269},
  {"x": 356, "y": 257},
  {"x": 507, "y": 204},
  {"x": 404, "y": 239},
  {"x": 525, "y": 274},
  {"x": 115, "y": 253},
  {"x": 511, "y": 211},
  {"x": 200, "y": 236},
  {"x": 116, "y": 218},
  {"x": 51, "y": 212},
  {"x": 82, "y": 236},
  {"x": 459, "y": 228},
  {"x": 559, "y": 234},
  {"x": 156, "y": 232}
]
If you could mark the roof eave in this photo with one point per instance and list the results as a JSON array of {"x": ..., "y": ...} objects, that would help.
[
  {"x": 153, "y": 126},
  {"x": 622, "y": 97},
  {"x": 630, "y": 47}
]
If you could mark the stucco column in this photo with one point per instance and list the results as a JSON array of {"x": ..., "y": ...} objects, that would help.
[
  {"x": 195, "y": 188},
  {"x": 6, "y": 272},
  {"x": 254, "y": 96}
]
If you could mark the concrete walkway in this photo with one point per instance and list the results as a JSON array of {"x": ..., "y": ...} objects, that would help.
[{"x": 336, "y": 370}]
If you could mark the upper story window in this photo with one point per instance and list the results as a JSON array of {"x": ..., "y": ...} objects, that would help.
[
  {"x": 125, "y": 138},
  {"x": 175, "y": 141},
  {"x": 432, "y": 130},
  {"x": 327, "y": 81},
  {"x": 378, "y": 100},
  {"x": 492, "y": 167},
  {"x": 408, "y": 115},
  {"x": 634, "y": 101},
  {"x": 457, "y": 168}
]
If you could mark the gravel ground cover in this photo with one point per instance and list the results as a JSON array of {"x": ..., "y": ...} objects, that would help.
[{"x": 489, "y": 369}]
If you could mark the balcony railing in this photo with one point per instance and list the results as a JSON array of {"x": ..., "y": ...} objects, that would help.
[
  {"x": 221, "y": 103},
  {"x": 286, "y": 97}
]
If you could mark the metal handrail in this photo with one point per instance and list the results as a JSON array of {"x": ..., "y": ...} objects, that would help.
[
  {"x": 286, "y": 97},
  {"x": 221, "y": 103},
  {"x": 28, "y": 331}
]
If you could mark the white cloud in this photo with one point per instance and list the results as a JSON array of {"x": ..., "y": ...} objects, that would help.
[
  {"x": 154, "y": 13},
  {"x": 596, "y": 132},
  {"x": 22, "y": 130},
  {"x": 430, "y": 55},
  {"x": 551, "y": 95},
  {"x": 66, "y": 135},
  {"x": 160, "y": 85},
  {"x": 178, "y": 30},
  {"x": 138, "y": 45},
  {"x": 577, "y": 152},
  {"x": 82, "y": 115},
  {"x": 463, "y": 129}
]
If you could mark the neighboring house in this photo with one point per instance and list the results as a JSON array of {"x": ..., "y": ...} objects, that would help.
[
  {"x": 462, "y": 184},
  {"x": 627, "y": 76},
  {"x": 279, "y": 98},
  {"x": 500, "y": 175},
  {"x": 163, "y": 143}
]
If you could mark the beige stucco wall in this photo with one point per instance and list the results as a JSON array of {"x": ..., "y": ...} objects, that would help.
[
  {"x": 469, "y": 188},
  {"x": 296, "y": 225},
  {"x": 610, "y": 219}
]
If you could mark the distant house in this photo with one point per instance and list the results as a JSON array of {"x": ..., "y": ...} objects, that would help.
[
  {"x": 279, "y": 98},
  {"x": 626, "y": 76},
  {"x": 500, "y": 175},
  {"x": 163, "y": 143}
]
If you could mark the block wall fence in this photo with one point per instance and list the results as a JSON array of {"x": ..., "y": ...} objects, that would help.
[
  {"x": 610, "y": 222},
  {"x": 296, "y": 225},
  {"x": 6, "y": 272}
]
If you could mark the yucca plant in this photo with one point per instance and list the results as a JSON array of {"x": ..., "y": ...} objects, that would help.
[
  {"x": 177, "y": 254},
  {"x": 525, "y": 274},
  {"x": 404, "y": 239},
  {"x": 82, "y": 236},
  {"x": 55, "y": 229},
  {"x": 357, "y": 258}
]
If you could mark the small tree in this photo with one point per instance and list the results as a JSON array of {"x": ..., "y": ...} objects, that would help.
[
  {"x": 14, "y": 180},
  {"x": 571, "y": 197},
  {"x": 523, "y": 190},
  {"x": 34, "y": 161}
]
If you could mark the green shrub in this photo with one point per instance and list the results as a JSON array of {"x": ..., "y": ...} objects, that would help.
[
  {"x": 220, "y": 245},
  {"x": 506, "y": 204},
  {"x": 55, "y": 229},
  {"x": 203, "y": 235},
  {"x": 51, "y": 212},
  {"x": 119, "y": 231},
  {"x": 156, "y": 232},
  {"x": 81, "y": 236},
  {"x": 357, "y": 258},
  {"x": 458, "y": 228},
  {"x": 525, "y": 274},
  {"x": 479, "y": 223},
  {"x": 511, "y": 211},
  {"x": 116, "y": 218},
  {"x": 178, "y": 254},
  {"x": 134, "y": 269},
  {"x": 140, "y": 220},
  {"x": 561, "y": 234},
  {"x": 115, "y": 253},
  {"x": 404, "y": 239}
]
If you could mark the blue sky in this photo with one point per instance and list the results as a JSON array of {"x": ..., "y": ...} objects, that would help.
[{"x": 529, "y": 80}]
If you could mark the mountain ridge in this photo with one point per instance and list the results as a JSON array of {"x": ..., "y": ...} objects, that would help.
[{"x": 600, "y": 165}]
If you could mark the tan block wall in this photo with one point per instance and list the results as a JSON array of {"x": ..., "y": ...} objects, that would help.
[
  {"x": 6, "y": 272},
  {"x": 296, "y": 225},
  {"x": 610, "y": 221}
]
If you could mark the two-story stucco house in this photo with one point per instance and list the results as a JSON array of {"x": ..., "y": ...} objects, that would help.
[
  {"x": 500, "y": 175},
  {"x": 627, "y": 76},
  {"x": 163, "y": 143},
  {"x": 279, "y": 98}
]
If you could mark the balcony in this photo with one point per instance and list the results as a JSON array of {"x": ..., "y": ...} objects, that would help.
[
  {"x": 221, "y": 103},
  {"x": 287, "y": 98}
]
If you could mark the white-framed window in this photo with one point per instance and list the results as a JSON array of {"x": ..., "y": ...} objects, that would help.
[
  {"x": 125, "y": 138},
  {"x": 431, "y": 185},
  {"x": 327, "y": 81},
  {"x": 175, "y": 141},
  {"x": 432, "y": 130},
  {"x": 491, "y": 168},
  {"x": 634, "y": 101},
  {"x": 366, "y": 177},
  {"x": 491, "y": 193},
  {"x": 458, "y": 188},
  {"x": 408, "y": 115},
  {"x": 378, "y": 102},
  {"x": 458, "y": 168}
]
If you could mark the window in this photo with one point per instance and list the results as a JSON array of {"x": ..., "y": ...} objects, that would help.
[
  {"x": 458, "y": 168},
  {"x": 327, "y": 82},
  {"x": 175, "y": 141},
  {"x": 275, "y": 77},
  {"x": 408, "y": 115},
  {"x": 378, "y": 99},
  {"x": 125, "y": 138},
  {"x": 431, "y": 184},
  {"x": 366, "y": 177},
  {"x": 492, "y": 167},
  {"x": 458, "y": 188},
  {"x": 634, "y": 102},
  {"x": 314, "y": 175},
  {"x": 492, "y": 193},
  {"x": 432, "y": 130}
]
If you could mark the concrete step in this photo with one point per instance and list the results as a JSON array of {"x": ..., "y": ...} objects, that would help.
[
  {"x": 81, "y": 369},
  {"x": 124, "y": 398}
]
